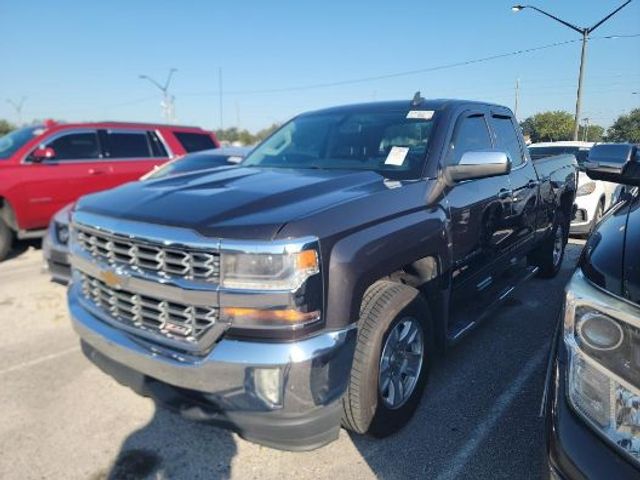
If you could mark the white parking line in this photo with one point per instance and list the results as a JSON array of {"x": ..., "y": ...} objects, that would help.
[
  {"x": 37, "y": 361},
  {"x": 479, "y": 435}
]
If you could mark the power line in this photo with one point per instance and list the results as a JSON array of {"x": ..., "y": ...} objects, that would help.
[{"x": 408, "y": 72}]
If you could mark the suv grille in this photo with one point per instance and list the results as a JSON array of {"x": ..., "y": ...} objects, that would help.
[
  {"x": 169, "y": 319},
  {"x": 175, "y": 262}
]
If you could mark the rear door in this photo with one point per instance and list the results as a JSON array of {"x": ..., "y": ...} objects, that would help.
[
  {"x": 524, "y": 184},
  {"x": 78, "y": 168},
  {"x": 131, "y": 153}
]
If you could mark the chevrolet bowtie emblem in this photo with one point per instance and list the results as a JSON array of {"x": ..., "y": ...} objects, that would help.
[{"x": 110, "y": 278}]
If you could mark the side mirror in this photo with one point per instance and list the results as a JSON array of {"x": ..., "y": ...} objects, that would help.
[
  {"x": 614, "y": 162},
  {"x": 479, "y": 164},
  {"x": 41, "y": 154}
]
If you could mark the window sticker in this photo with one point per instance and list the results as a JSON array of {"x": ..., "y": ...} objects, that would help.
[
  {"x": 396, "y": 156},
  {"x": 420, "y": 114}
]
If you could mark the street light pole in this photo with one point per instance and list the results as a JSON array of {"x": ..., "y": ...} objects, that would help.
[
  {"x": 168, "y": 110},
  {"x": 18, "y": 108},
  {"x": 585, "y": 32}
]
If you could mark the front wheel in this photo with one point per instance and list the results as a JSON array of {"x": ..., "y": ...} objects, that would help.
[
  {"x": 6, "y": 239},
  {"x": 391, "y": 361}
]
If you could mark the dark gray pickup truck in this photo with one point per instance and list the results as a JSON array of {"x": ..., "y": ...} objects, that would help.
[{"x": 312, "y": 285}]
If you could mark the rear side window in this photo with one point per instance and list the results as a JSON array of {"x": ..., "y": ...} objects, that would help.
[
  {"x": 128, "y": 144},
  {"x": 76, "y": 146},
  {"x": 471, "y": 134},
  {"x": 156, "y": 145},
  {"x": 194, "y": 142},
  {"x": 506, "y": 138}
]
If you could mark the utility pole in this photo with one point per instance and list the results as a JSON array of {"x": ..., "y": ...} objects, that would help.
[
  {"x": 585, "y": 32},
  {"x": 17, "y": 106},
  {"x": 585, "y": 136},
  {"x": 517, "y": 103},
  {"x": 168, "y": 100},
  {"x": 220, "y": 97}
]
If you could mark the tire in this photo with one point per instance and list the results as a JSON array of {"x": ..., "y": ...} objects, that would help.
[
  {"x": 596, "y": 216},
  {"x": 6, "y": 239},
  {"x": 549, "y": 255},
  {"x": 388, "y": 311}
]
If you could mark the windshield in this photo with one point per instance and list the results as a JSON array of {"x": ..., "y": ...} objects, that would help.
[
  {"x": 387, "y": 142},
  {"x": 580, "y": 153},
  {"x": 12, "y": 141}
]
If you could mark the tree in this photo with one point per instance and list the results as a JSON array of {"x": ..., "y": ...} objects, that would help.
[
  {"x": 626, "y": 128},
  {"x": 245, "y": 137},
  {"x": 5, "y": 127},
  {"x": 549, "y": 126},
  {"x": 592, "y": 134}
]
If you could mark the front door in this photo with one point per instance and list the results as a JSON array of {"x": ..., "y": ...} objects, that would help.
[
  {"x": 478, "y": 210},
  {"x": 76, "y": 169}
]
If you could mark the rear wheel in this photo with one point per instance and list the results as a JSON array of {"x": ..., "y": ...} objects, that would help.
[
  {"x": 6, "y": 239},
  {"x": 549, "y": 255},
  {"x": 391, "y": 362}
]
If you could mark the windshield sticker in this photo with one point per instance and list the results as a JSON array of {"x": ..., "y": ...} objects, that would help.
[
  {"x": 420, "y": 114},
  {"x": 396, "y": 156}
]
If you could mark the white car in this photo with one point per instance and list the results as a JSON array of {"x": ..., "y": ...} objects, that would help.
[{"x": 594, "y": 197}]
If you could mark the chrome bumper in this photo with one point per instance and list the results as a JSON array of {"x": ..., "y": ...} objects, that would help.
[{"x": 253, "y": 383}]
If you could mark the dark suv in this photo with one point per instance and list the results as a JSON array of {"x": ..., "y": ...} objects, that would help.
[{"x": 593, "y": 392}]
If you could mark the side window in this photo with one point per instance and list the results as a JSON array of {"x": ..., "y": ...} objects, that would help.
[
  {"x": 506, "y": 138},
  {"x": 471, "y": 134},
  {"x": 76, "y": 146},
  {"x": 128, "y": 144},
  {"x": 157, "y": 148},
  {"x": 194, "y": 142}
]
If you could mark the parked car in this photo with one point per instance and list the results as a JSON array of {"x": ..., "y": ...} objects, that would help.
[
  {"x": 593, "y": 392},
  {"x": 55, "y": 242},
  {"x": 203, "y": 160},
  {"x": 45, "y": 167},
  {"x": 313, "y": 284},
  {"x": 594, "y": 197}
]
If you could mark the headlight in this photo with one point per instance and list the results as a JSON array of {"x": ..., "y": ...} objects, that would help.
[
  {"x": 62, "y": 233},
  {"x": 586, "y": 189},
  {"x": 603, "y": 383},
  {"x": 274, "y": 287},
  {"x": 268, "y": 271}
]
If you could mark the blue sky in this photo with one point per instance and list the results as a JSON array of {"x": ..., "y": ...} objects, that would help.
[{"x": 80, "y": 60}]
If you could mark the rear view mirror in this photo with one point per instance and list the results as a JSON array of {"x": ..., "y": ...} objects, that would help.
[
  {"x": 43, "y": 153},
  {"x": 479, "y": 164},
  {"x": 614, "y": 162}
]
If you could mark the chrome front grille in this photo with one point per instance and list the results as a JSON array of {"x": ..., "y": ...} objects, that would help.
[
  {"x": 171, "y": 320},
  {"x": 114, "y": 249}
]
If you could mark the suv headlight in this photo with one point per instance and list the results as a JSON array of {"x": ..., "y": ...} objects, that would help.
[
  {"x": 586, "y": 189},
  {"x": 604, "y": 363}
]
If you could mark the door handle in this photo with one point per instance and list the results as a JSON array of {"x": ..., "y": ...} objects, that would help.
[
  {"x": 96, "y": 171},
  {"x": 505, "y": 193}
]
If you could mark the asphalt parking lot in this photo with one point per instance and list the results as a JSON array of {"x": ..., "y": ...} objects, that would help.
[{"x": 62, "y": 418}]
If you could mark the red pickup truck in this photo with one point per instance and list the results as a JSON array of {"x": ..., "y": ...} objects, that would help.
[{"x": 45, "y": 167}]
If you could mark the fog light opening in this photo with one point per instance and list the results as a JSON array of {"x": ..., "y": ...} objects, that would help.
[{"x": 268, "y": 385}]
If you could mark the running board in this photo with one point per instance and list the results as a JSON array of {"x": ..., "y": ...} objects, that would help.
[
  {"x": 29, "y": 234},
  {"x": 468, "y": 319}
]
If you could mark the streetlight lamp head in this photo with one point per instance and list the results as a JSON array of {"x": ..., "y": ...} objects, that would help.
[{"x": 517, "y": 8}]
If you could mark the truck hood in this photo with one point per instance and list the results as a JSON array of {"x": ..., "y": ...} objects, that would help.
[
  {"x": 610, "y": 258},
  {"x": 236, "y": 202}
]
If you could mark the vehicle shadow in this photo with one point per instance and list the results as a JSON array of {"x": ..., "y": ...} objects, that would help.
[
  {"x": 170, "y": 446},
  {"x": 21, "y": 246}
]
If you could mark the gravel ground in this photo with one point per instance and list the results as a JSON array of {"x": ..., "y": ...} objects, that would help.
[{"x": 62, "y": 418}]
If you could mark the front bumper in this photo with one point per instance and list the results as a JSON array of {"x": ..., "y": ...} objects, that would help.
[
  {"x": 56, "y": 258},
  {"x": 284, "y": 395},
  {"x": 585, "y": 210},
  {"x": 575, "y": 450}
]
